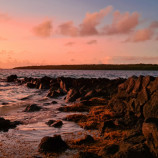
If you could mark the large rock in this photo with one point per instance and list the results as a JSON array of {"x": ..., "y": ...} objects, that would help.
[
  {"x": 5, "y": 125},
  {"x": 32, "y": 108},
  {"x": 11, "y": 78},
  {"x": 136, "y": 95},
  {"x": 52, "y": 144},
  {"x": 150, "y": 131}
]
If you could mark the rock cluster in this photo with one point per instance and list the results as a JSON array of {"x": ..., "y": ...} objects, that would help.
[{"x": 123, "y": 111}]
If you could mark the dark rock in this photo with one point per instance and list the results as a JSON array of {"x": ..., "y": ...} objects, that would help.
[
  {"x": 50, "y": 122},
  {"x": 32, "y": 108},
  {"x": 86, "y": 155},
  {"x": 5, "y": 125},
  {"x": 109, "y": 150},
  {"x": 151, "y": 107},
  {"x": 46, "y": 104},
  {"x": 54, "y": 102},
  {"x": 52, "y": 145},
  {"x": 30, "y": 85},
  {"x": 150, "y": 131},
  {"x": 107, "y": 124},
  {"x": 86, "y": 140},
  {"x": 76, "y": 117},
  {"x": 57, "y": 124},
  {"x": 133, "y": 151},
  {"x": 54, "y": 123},
  {"x": 11, "y": 78},
  {"x": 72, "y": 95},
  {"x": 55, "y": 93},
  {"x": 76, "y": 107}
]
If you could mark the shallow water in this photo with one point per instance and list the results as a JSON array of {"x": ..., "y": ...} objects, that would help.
[{"x": 23, "y": 140}]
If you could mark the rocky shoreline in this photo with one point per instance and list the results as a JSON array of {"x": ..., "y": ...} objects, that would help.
[{"x": 123, "y": 111}]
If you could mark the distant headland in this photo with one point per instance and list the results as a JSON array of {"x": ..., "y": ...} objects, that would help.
[{"x": 95, "y": 67}]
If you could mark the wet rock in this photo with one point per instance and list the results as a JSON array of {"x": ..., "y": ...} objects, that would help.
[
  {"x": 54, "y": 102},
  {"x": 52, "y": 145},
  {"x": 5, "y": 125},
  {"x": 11, "y": 78},
  {"x": 150, "y": 131},
  {"x": 72, "y": 95},
  {"x": 76, "y": 117},
  {"x": 30, "y": 85},
  {"x": 44, "y": 82},
  {"x": 46, "y": 104},
  {"x": 86, "y": 155},
  {"x": 55, "y": 93},
  {"x": 32, "y": 108},
  {"x": 86, "y": 140},
  {"x": 107, "y": 124},
  {"x": 150, "y": 109},
  {"x": 50, "y": 122},
  {"x": 57, "y": 124}
]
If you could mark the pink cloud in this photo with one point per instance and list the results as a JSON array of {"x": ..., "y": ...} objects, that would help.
[
  {"x": 88, "y": 26},
  {"x": 122, "y": 23},
  {"x": 141, "y": 35},
  {"x": 68, "y": 28},
  {"x": 44, "y": 29}
]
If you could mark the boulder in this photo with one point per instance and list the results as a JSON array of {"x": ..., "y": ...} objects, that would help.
[
  {"x": 150, "y": 131},
  {"x": 52, "y": 145},
  {"x": 5, "y": 125},
  {"x": 50, "y": 122},
  {"x": 11, "y": 78},
  {"x": 32, "y": 108},
  {"x": 57, "y": 124}
]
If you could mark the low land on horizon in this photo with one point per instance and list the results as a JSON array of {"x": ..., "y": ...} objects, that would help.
[{"x": 95, "y": 67}]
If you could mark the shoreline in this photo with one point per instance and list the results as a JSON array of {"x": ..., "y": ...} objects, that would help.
[{"x": 120, "y": 110}]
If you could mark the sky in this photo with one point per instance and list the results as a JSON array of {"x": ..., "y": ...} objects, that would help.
[{"x": 59, "y": 32}]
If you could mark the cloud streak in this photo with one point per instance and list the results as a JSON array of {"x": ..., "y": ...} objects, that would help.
[
  {"x": 68, "y": 29},
  {"x": 88, "y": 26},
  {"x": 122, "y": 23},
  {"x": 44, "y": 29}
]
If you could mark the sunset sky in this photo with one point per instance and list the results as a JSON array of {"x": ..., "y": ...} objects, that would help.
[{"x": 55, "y": 32}]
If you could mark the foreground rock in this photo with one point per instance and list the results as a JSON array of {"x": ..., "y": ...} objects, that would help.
[
  {"x": 52, "y": 145},
  {"x": 5, "y": 125},
  {"x": 32, "y": 108},
  {"x": 150, "y": 131}
]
